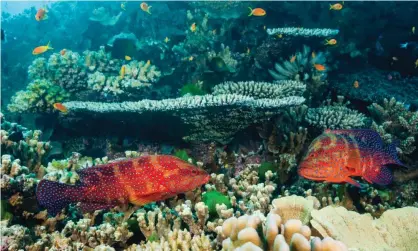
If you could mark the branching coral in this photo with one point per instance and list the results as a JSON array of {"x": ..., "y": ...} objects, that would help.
[
  {"x": 63, "y": 69},
  {"x": 305, "y": 32},
  {"x": 39, "y": 96},
  {"x": 335, "y": 116},
  {"x": 15, "y": 237},
  {"x": 136, "y": 76},
  {"x": 101, "y": 61},
  {"x": 395, "y": 123}
]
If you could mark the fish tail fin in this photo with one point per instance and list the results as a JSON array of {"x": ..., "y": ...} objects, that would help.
[
  {"x": 380, "y": 175},
  {"x": 55, "y": 196},
  {"x": 149, "y": 7},
  {"x": 330, "y": 6},
  {"x": 393, "y": 154},
  {"x": 251, "y": 11},
  {"x": 49, "y": 46}
]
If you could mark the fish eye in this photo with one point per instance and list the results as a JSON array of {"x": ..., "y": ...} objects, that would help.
[{"x": 195, "y": 172}]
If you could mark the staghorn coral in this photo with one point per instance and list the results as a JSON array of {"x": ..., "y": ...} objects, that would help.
[
  {"x": 137, "y": 75},
  {"x": 335, "y": 116},
  {"x": 39, "y": 97},
  {"x": 395, "y": 123},
  {"x": 305, "y": 32},
  {"x": 393, "y": 230}
]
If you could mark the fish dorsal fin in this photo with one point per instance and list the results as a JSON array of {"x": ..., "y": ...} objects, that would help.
[
  {"x": 379, "y": 175},
  {"x": 363, "y": 138}
]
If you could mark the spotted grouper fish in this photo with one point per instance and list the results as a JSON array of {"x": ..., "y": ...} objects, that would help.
[
  {"x": 138, "y": 181},
  {"x": 337, "y": 155}
]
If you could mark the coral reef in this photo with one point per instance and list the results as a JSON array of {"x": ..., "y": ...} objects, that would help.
[
  {"x": 305, "y": 32},
  {"x": 335, "y": 116},
  {"x": 394, "y": 122},
  {"x": 39, "y": 97}
]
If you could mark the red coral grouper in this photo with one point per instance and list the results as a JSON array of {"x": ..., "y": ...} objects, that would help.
[
  {"x": 337, "y": 155},
  {"x": 138, "y": 181}
]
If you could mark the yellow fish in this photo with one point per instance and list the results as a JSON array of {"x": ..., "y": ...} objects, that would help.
[
  {"x": 264, "y": 27},
  {"x": 166, "y": 40},
  {"x": 416, "y": 63},
  {"x": 191, "y": 58},
  {"x": 313, "y": 54},
  {"x": 413, "y": 30},
  {"x": 279, "y": 35},
  {"x": 42, "y": 49},
  {"x": 214, "y": 32},
  {"x": 128, "y": 58},
  {"x": 331, "y": 42},
  {"x": 292, "y": 59},
  {"x": 336, "y": 6},
  {"x": 248, "y": 51},
  {"x": 148, "y": 62},
  {"x": 122, "y": 72},
  {"x": 193, "y": 27}
]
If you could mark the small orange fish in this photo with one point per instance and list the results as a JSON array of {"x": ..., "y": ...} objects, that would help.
[
  {"x": 319, "y": 67},
  {"x": 193, "y": 27},
  {"x": 128, "y": 58},
  {"x": 145, "y": 7},
  {"x": 331, "y": 42},
  {"x": 63, "y": 51},
  {"x": 356, "y": 84},
  {"x": 166, "y": 40},
  {"x": 60, "y": 107},
  {"x": 279, "y": 35},
  {"x": 122, "y": 72},
  {"x": 336, "y": 6},
  {"x": 258, "y": 12},
  {"x": 41, "y": 14},
  {"x": 41, "y": 49},
  {"x": 292, "y": 59},
  {"x": 313, "y": 54},
  {"x": 139, "y": 181}
]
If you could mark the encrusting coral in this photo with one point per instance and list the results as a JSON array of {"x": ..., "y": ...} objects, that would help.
[{"x": 335, "y": 116}]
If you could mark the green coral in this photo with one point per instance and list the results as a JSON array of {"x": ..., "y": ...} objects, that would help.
[
  {"x": 39, "y": 96},
  {"x": 182, "y": 154},
  {"x": 264, "y": 167},
  {"x": 212, "y": 198}
]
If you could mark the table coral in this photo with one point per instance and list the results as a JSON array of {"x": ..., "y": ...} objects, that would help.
[
  {"x": 209, "y": 117},
  {"x": 306, "y": 32}
]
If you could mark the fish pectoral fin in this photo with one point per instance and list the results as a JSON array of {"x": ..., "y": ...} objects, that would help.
[
  {"x": 352, "y": 182},
  {"x": 381, "y": 176},
  {"x": 89, "y": 207}
]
